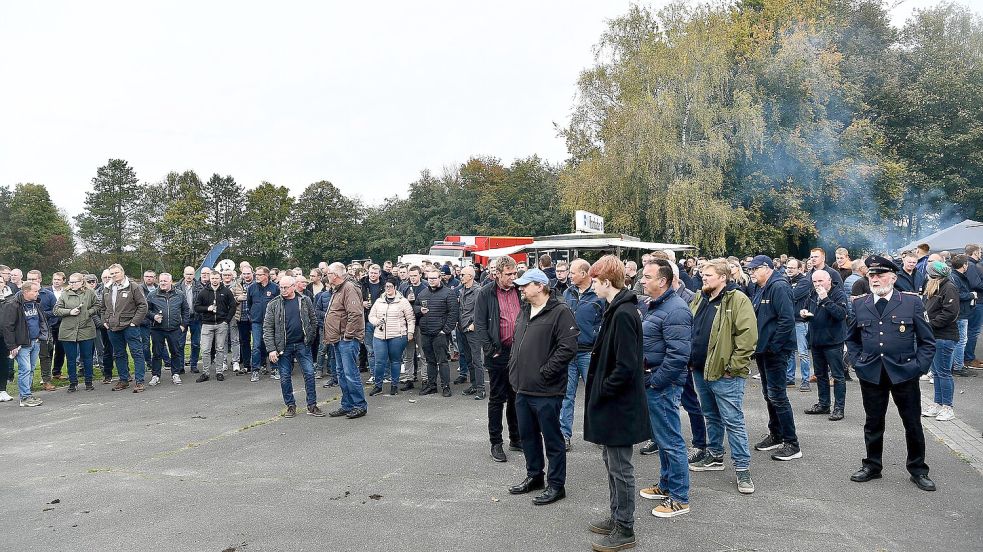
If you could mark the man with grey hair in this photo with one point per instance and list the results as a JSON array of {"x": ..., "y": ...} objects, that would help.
[
  {"x": 469, "y": 341},
  {"x": 344, "y": 329},
  {"x": 289, "y": 328},
  {"x": 23, "y": 327},
  {"x": 123, "y": 309}
]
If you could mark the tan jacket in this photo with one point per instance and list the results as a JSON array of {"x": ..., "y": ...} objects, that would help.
[
  {"x": 394, "y": 319},
  {"x": 345, "y": 318}
]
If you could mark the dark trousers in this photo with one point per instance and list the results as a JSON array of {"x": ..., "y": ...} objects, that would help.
[
  {"x": 469, "y": 344},
  {"x": 107, "y": 354},
  {"x": 6, "y": 373},
  {"x": 908, "y": 400},
  {"x": 691, "y": 404},
  {"x": 435, "y": 351},
  {"x": 168, "y": 346},
  {"x": 501, "y": 395},
  {"x": 245, "y": 330},
  {"x": 51, "y": 351},
  {"x": 539, "y": 425},
  {"x": 826, "y": 362},
  {"x": 780, "y": 421}
]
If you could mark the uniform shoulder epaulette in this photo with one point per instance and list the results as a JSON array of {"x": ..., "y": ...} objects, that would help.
[
  {"x": 912, "y": 293},
  {"x": 861, "y": 296}
]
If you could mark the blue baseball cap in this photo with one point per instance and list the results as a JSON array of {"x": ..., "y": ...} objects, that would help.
[
  {"x": 760, "y": 260},
  {"x": 533, "y": 275}
]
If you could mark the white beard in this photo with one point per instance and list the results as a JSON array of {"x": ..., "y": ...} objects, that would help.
[{"x": 881, "y": 291}]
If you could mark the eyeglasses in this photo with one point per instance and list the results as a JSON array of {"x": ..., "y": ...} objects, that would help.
[{"x": 433, "y": 277}]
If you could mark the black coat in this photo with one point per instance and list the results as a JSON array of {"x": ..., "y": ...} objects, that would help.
[
  {"x": 442, "y": 310},
  {"x": 225, "y": 305},
  {"x": 942, "y": 310},
  {"x": 616, "y": 411},
  {"x": 543, "y": 348},
  {"x": 827, "y": 326}
]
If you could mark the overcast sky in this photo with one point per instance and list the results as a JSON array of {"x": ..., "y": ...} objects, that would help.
[{"x": 363, "y": 95}]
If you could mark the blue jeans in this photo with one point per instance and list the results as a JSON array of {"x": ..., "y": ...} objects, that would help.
[
  {"x": 259, "y": 349},
  {"x": 27, "y": 359},
  {"x": 326, "y": 361},
  {"x": 128, "y": 337},
  {"x": 576, "y": 371},
  {"x": 802, "y": 352},
  {"x": 723, "y": 407},
  {"x": 302, "y": 352},
  {"x": 958, "y": 354},
  {"x": 350, "y": 381},
  {"x": 691, "y": 404},
  {"x": 781, "y": 423},
  {"x": 369, "y": 347},
  {"x": 973, "y": 332},
  {"x": 195, "y": 328},
  {"x": 388, "y": 355},
  {"x": 942, "y": 371},
  {"x": 145, "y": 340},
  {"x": 664, "y": 415},
  {"x": 75, "y": 349}
]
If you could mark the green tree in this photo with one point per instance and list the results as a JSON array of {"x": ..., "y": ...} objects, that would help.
[
  {"x": 326, "y": 226},
  {"x": 183, "y": 225},
  {"x": 224, "y": 204},
  {"x": 36, "y": 235},
  {"x": 268, "y": 210},
  {"x": 107, "y": 223}
]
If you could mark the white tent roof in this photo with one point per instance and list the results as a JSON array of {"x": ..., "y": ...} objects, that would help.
[
  {"x": 955, "y": 237},
  {"x": 583, "y": 243}
]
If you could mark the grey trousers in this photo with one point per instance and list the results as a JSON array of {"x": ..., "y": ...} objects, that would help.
[
  {"x": 412, "y": 357},
  {"x": 621, "y": 484},
  {"x": 476, "y": 361},
  {"x": 213, "y": 336}
]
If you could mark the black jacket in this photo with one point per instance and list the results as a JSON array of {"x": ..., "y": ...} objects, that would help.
[
  {"x": 616, "y": 411},
  {"x": 486, "y": 315},
  {"x": 542, "y": 350},
  {"x": 774, "y": 309},
  {"x": 442, "y": 310},
  {"x": 942, "y": 310},
  {"x": 801, "y": 288},
  {"x": 966, "y": 299},
  {"x": 827, "y": 326},
  {"x": 171, "y": 305},
  {"x": 13, "y": 323},
  {"x": 223, "y": 300}
]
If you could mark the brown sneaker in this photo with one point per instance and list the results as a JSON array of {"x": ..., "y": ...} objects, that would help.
[
  {"x": 121, "y": 385},
  {"x": 138, "y": 388},
  {"x": 291, "y": 411},
  {"x": 47, "y": 386}
]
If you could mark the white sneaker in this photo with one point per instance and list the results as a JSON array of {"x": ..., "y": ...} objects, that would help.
[
  {"x": 756, "y": 376},
  {"x": 945, "y": 414},
  {"x": 275, "y": 375},
  {"x": 154, "y": 381},
  {"x": 372, "y": 379},
  {"x": 923, "y": 377},
  {"x": 4, "y": 397},
  {"x": 176, "y": 379},
  {"x": 402, "y": 368},
  {"x": 235, "y": 366},
  {"x": 932, "y": 411}
]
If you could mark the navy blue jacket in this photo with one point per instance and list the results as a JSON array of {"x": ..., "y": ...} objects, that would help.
[
  {"x": 899, "y": 341},
  {"x": 172, "y": 305},
  {"x": 588, "y": 309},
  {"x": 965, "y": 294},
  {"x": 667, "y": 335},
  {"x": 258, "y": 297},
  {"x": 47, "y": 299},
  {"x": 827, "y": 326},
  {"x": 321, "y": 303},
  {"x": 775, "y": 312}
]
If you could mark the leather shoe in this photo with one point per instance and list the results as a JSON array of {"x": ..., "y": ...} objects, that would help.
[
  {"x": 527, "y": 485},
  {"x": 817, "y": 409},
  {"x": 865, "y": 474},
  {"x": 515, "y": 445},
  {"x": 549, "y": 496},
  {"x": 923, "y": 482}
]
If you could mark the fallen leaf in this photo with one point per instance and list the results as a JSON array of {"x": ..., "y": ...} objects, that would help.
[
  {"x": 47, "y": 509},
  {"x": 375, "y": 496},
  {"x": 55, "y": 501},
  {"x": 495, "y": 499}
]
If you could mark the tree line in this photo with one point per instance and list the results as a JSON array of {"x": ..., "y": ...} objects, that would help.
[{"x": 755, "y": 126}]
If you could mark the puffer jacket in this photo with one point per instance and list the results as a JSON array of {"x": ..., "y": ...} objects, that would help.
[
  {"x": 172, "y": 307},
  {"x": 588, "y": 310},
  {"x": 667, "y": 335},
  {"x": 76, "y": 327},
  {"x": 392, "y": 319},
  {"x": 275, "y": 324},
  {"x": 442, "y": 313},
  {"x": 942, "y": 310}
]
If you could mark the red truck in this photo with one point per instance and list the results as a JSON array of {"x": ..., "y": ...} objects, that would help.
[{"x": 464, "y": 246}]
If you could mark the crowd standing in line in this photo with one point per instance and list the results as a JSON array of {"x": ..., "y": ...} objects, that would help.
[{"x": 644, "y": 341}]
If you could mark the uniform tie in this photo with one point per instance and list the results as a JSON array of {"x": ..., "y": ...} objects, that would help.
[{"x": 880, "y": 304}]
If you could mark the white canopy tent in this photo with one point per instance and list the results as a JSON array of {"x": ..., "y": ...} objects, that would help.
[
  {"x": 953, "y": 238},
  {"x": 572, "y": 243}
]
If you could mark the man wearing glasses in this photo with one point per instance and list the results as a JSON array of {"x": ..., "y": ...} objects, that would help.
[{"x": 496, "y": 311}]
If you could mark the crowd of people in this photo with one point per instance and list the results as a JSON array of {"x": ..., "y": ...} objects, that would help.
[{"x": 643, "y": 340}]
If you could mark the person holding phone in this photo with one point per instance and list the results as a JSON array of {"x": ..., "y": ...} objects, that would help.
[{"x": 77, "y": 331}]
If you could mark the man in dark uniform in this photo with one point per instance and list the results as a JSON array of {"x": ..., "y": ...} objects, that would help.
[{"x": 890, "y": 343}]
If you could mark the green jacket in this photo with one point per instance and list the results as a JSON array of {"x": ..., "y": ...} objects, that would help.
[
  {"x": 733, "y": 335},
  {"x": 80, "y": 327}
]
